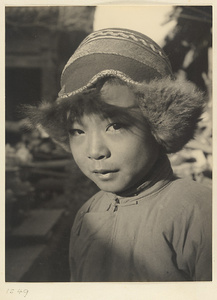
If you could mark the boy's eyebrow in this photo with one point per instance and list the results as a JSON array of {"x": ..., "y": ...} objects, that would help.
[
  {"x": 78, "y": 121},
  {"x": 74, "y": 120}
]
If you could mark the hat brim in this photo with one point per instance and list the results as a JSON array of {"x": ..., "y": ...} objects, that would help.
[{"x": 87, "y": 70}]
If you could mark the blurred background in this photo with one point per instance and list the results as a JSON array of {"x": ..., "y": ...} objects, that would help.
[{"x": 44, "y": 188}]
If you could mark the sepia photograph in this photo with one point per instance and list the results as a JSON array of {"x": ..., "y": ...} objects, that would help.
[{"x": 108, "y": 146}]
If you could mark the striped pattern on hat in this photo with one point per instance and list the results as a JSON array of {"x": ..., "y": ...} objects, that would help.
[{"x": 123, "y": 53}]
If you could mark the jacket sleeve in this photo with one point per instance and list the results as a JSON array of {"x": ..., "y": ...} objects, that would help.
[
  {"x": 192, "y": 239},
  {"x": 72, "y": 263},
  {"x": 75, "y": 233},
  {"x": 73, "y": 237}
]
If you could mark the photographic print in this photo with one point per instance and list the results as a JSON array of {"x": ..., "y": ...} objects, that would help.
[{"x": 108, "y": 149}]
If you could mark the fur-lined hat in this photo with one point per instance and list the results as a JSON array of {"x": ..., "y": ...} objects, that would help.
[{"x": 171, "y": 107}]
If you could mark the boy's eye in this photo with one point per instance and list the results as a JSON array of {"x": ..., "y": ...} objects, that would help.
[
  {"x": 76, "y": 132},
  {"x": 114, "y": 127}
]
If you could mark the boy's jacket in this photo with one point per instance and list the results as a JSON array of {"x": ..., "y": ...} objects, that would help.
[{"x": 162, "y": 233}]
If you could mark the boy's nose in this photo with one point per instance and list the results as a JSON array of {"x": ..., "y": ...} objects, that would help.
[{"x": 97, "y": 149}]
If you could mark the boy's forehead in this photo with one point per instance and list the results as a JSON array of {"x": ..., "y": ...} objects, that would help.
[{"x": 118, "y": 95}]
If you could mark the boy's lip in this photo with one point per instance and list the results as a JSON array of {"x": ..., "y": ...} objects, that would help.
[
  {"x": 104, "y": 171},
  {"x": 105, "y": 174}
]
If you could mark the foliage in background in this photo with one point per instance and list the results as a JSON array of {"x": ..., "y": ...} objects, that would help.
[
  {"x": 188, "y": 44},
  {"x": 189, "y": 48}
]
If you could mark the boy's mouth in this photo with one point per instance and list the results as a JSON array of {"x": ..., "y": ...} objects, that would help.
[
  {"x": 105, "y": 174},
  {"x": 104, "y": 171}
]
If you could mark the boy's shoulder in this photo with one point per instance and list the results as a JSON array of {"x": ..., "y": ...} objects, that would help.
[
  {"x": 190, "y": 189},
  {"x": 188, "y": 195}
]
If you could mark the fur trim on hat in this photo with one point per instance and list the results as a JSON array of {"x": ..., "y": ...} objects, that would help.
[
  {"x": 50, "y": 118},
  {"x": 171, "y": 108}
]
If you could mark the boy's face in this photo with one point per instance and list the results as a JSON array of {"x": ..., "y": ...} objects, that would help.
[{"x": 116, "y": 158}]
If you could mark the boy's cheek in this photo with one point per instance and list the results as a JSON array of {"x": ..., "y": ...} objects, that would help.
[
  {"x": 81, "y": 165},
  {"x": 74, "y": 150}
]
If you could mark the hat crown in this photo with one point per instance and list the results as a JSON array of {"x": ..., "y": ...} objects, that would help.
[
  {"x": 127, "y": 35},
  {"x": 119, "y": 52}
]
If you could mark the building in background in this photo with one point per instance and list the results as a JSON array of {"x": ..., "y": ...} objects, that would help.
[{"x": 39, "y": 40}]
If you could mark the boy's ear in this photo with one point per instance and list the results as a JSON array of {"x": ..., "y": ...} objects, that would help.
[{"x": 172, "y": 108}]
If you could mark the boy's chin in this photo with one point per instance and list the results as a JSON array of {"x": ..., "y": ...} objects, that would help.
[
  {"x": 114, "y": 183},
  {"x": 112, "y": 188}
]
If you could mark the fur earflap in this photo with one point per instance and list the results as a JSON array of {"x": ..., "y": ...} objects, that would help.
[
  {"x": 172, "y": 109},
  {"x": 52, "y": 119}
]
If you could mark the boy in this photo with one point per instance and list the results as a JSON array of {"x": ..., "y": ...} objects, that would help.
[{"x": 119, "y": 112}]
